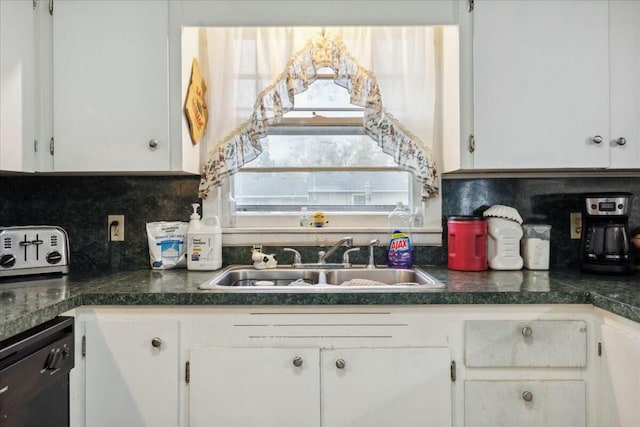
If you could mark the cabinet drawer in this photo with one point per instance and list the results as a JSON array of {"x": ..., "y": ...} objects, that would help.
[
  {"x": 525, "y": 404},
  {"x": 538, "y": 343}
]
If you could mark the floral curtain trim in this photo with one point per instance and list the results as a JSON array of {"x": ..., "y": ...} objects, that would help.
[{"x": 242, "y": 145}]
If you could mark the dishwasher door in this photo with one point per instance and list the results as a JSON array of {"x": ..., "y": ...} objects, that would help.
[{"x": 34, "y": 375}]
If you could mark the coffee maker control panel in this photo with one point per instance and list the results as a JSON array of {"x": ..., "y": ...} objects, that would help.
[{"x": 607, "y": 206}]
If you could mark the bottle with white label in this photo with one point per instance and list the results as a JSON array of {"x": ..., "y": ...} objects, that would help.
[
  {"x": 535, "y": 246},
  {"x": 204, "y": 242}
]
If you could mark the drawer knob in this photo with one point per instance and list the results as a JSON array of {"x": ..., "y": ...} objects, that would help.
[
  {"x": 153, "y": 144},
  {"x": 527, "y": 396},
  {"x": 527, "y": 331},
  {"x": 340, "y": 363},
  {"x": 156, "y": 342},
  {"x": 621, "y": 141},
  {"x": 297, "y": 361},
  {"x": 597, "y": 139}
]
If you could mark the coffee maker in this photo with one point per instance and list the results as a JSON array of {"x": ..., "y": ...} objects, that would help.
[{"x": 605, "y": 244}]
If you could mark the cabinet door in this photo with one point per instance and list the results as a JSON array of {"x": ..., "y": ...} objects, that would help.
[
  {"x": 381, "y": 387},
  {"x": 111, "y": 86},
  {"x": 17, "y": 85},
  {"x": 524, "y": 404},
  {"x": 624, "y": 45},
  {"x": 620, "y": 379},
  {"x": 541, "y": 84},
  {"x": 240, "y": 387},
  {"x": 129, "y": 381}
]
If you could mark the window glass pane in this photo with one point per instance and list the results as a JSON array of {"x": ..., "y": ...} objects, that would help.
[
  {"x": 321, "y": 151},
  {"x": 370, "y": 191}
]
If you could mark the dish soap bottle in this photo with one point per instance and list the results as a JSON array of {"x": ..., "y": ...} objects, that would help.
[
  {"x": 304, "y": 217},
  {"x": 204, "y": 242},
  {"x": 400, "y": 253}
]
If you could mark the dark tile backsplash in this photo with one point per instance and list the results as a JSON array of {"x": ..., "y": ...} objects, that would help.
[{"x": 81, "y": 204}]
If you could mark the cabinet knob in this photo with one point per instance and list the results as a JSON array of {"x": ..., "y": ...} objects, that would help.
[
  {"x": 527, "y": 396},
  {"x": 156, "y": 342},
  {"x": 297, "y": 361},
  {"x": 153, "y": 144},
  {"x": 621, "y": 141},
  {"x": 597, "y": 139},
  {"x": 527, "y": 331},
  {"x": 340, "y": 363}
]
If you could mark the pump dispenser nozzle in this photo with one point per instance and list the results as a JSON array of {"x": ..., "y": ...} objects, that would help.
[{"x": 195, "y": 214}]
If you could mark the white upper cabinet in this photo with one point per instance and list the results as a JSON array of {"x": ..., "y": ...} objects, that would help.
[
  {"x": 111, "y": 88},
  {"x": 624, "y": 55},
  {"x": 18, "y": 88},
  {"x": 541, "y": 84}
]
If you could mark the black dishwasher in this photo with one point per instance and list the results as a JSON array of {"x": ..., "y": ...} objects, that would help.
[{"x": 34, "y": 375}]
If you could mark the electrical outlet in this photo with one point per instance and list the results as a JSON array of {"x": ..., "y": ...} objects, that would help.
[
  {"x": 115, "y": 232},
  {"x": 575, "y": 224}
]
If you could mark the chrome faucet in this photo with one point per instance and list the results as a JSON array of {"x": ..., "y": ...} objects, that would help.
[
  {"x": 297, "y": 259},
  {"x": 347, "y": 241},
  {"x": 345, "y": 257},
  {"x": 372, "y": 244}
]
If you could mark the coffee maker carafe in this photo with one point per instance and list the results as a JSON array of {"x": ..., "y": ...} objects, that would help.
[{"x": 605, "y": 244}]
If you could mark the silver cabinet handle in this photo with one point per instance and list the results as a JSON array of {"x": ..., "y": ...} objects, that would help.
[
  {"x": 340, "y": 363},
  {"x": 621, "y": 141},
  {"x": 597, "y": 139},
  {"x": 527, "y": 396},
  {"x": 527, "y": 331},
  {"x": 3, "y": 389},
  {"x": 156, "y": 342},
  {"x": 297, "y": 361},
  {"x": 153, "y": 144}
]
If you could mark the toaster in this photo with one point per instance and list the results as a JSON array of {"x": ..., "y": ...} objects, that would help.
[{"x": 35, "y": 249}]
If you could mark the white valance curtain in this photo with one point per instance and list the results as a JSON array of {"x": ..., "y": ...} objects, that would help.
[{"x": 253, "y": 74}]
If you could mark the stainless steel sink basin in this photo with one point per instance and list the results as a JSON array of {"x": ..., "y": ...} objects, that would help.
[{"x": 287, "y": 279}]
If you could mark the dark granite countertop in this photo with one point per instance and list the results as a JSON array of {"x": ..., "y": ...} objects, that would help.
[{"x": 28, "y": 303}]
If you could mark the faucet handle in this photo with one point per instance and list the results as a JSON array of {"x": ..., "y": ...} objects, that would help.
[
  {"x": 297, "y": 259},
  {"x": 345, "y": 257},
  {"x": 374, "y": 242}
]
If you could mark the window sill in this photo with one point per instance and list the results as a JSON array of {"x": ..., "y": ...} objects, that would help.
[{"x": 320, "y": 236}]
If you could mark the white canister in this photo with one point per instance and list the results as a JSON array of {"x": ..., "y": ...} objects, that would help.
[
  {"x": 503, "y": 244},
  {"x": 535, "y": 246}
]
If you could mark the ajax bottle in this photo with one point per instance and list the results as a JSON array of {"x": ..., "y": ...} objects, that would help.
[
  {"x": 400, "y": 252},
  {"x": 204, "y": 242}
]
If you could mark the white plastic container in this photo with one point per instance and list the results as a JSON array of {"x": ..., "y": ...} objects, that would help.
[
  {"x": 503, "y": 244},
  {"x": 204, "y": 242},
  {"x": 535, "y": 246}
]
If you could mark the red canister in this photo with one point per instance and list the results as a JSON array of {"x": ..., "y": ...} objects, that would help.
[{"x": 467, "y": 243}]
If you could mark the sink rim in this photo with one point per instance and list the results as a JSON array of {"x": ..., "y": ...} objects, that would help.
[{"x": 432, "y": 284}]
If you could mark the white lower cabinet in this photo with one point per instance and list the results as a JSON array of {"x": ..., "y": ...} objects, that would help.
[
  {"x": 378, "y": 387},
  {"x": 367, "y": 387},
  {"x": 267, "y": 387},
  {"x": 313, "y": 367},
  {"x": 132, "y": 371},
  {"x": 356, "y": 366},
  {"x": 524, "y": 404},
  {"x": 620, "y": 374},
  {"x": 525, "y": 373}
]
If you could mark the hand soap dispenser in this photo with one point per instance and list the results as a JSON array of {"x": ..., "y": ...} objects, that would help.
[{"x": 204, "y": 242}]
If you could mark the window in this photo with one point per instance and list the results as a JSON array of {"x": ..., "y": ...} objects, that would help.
[{"x": 320, "y": 158}]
